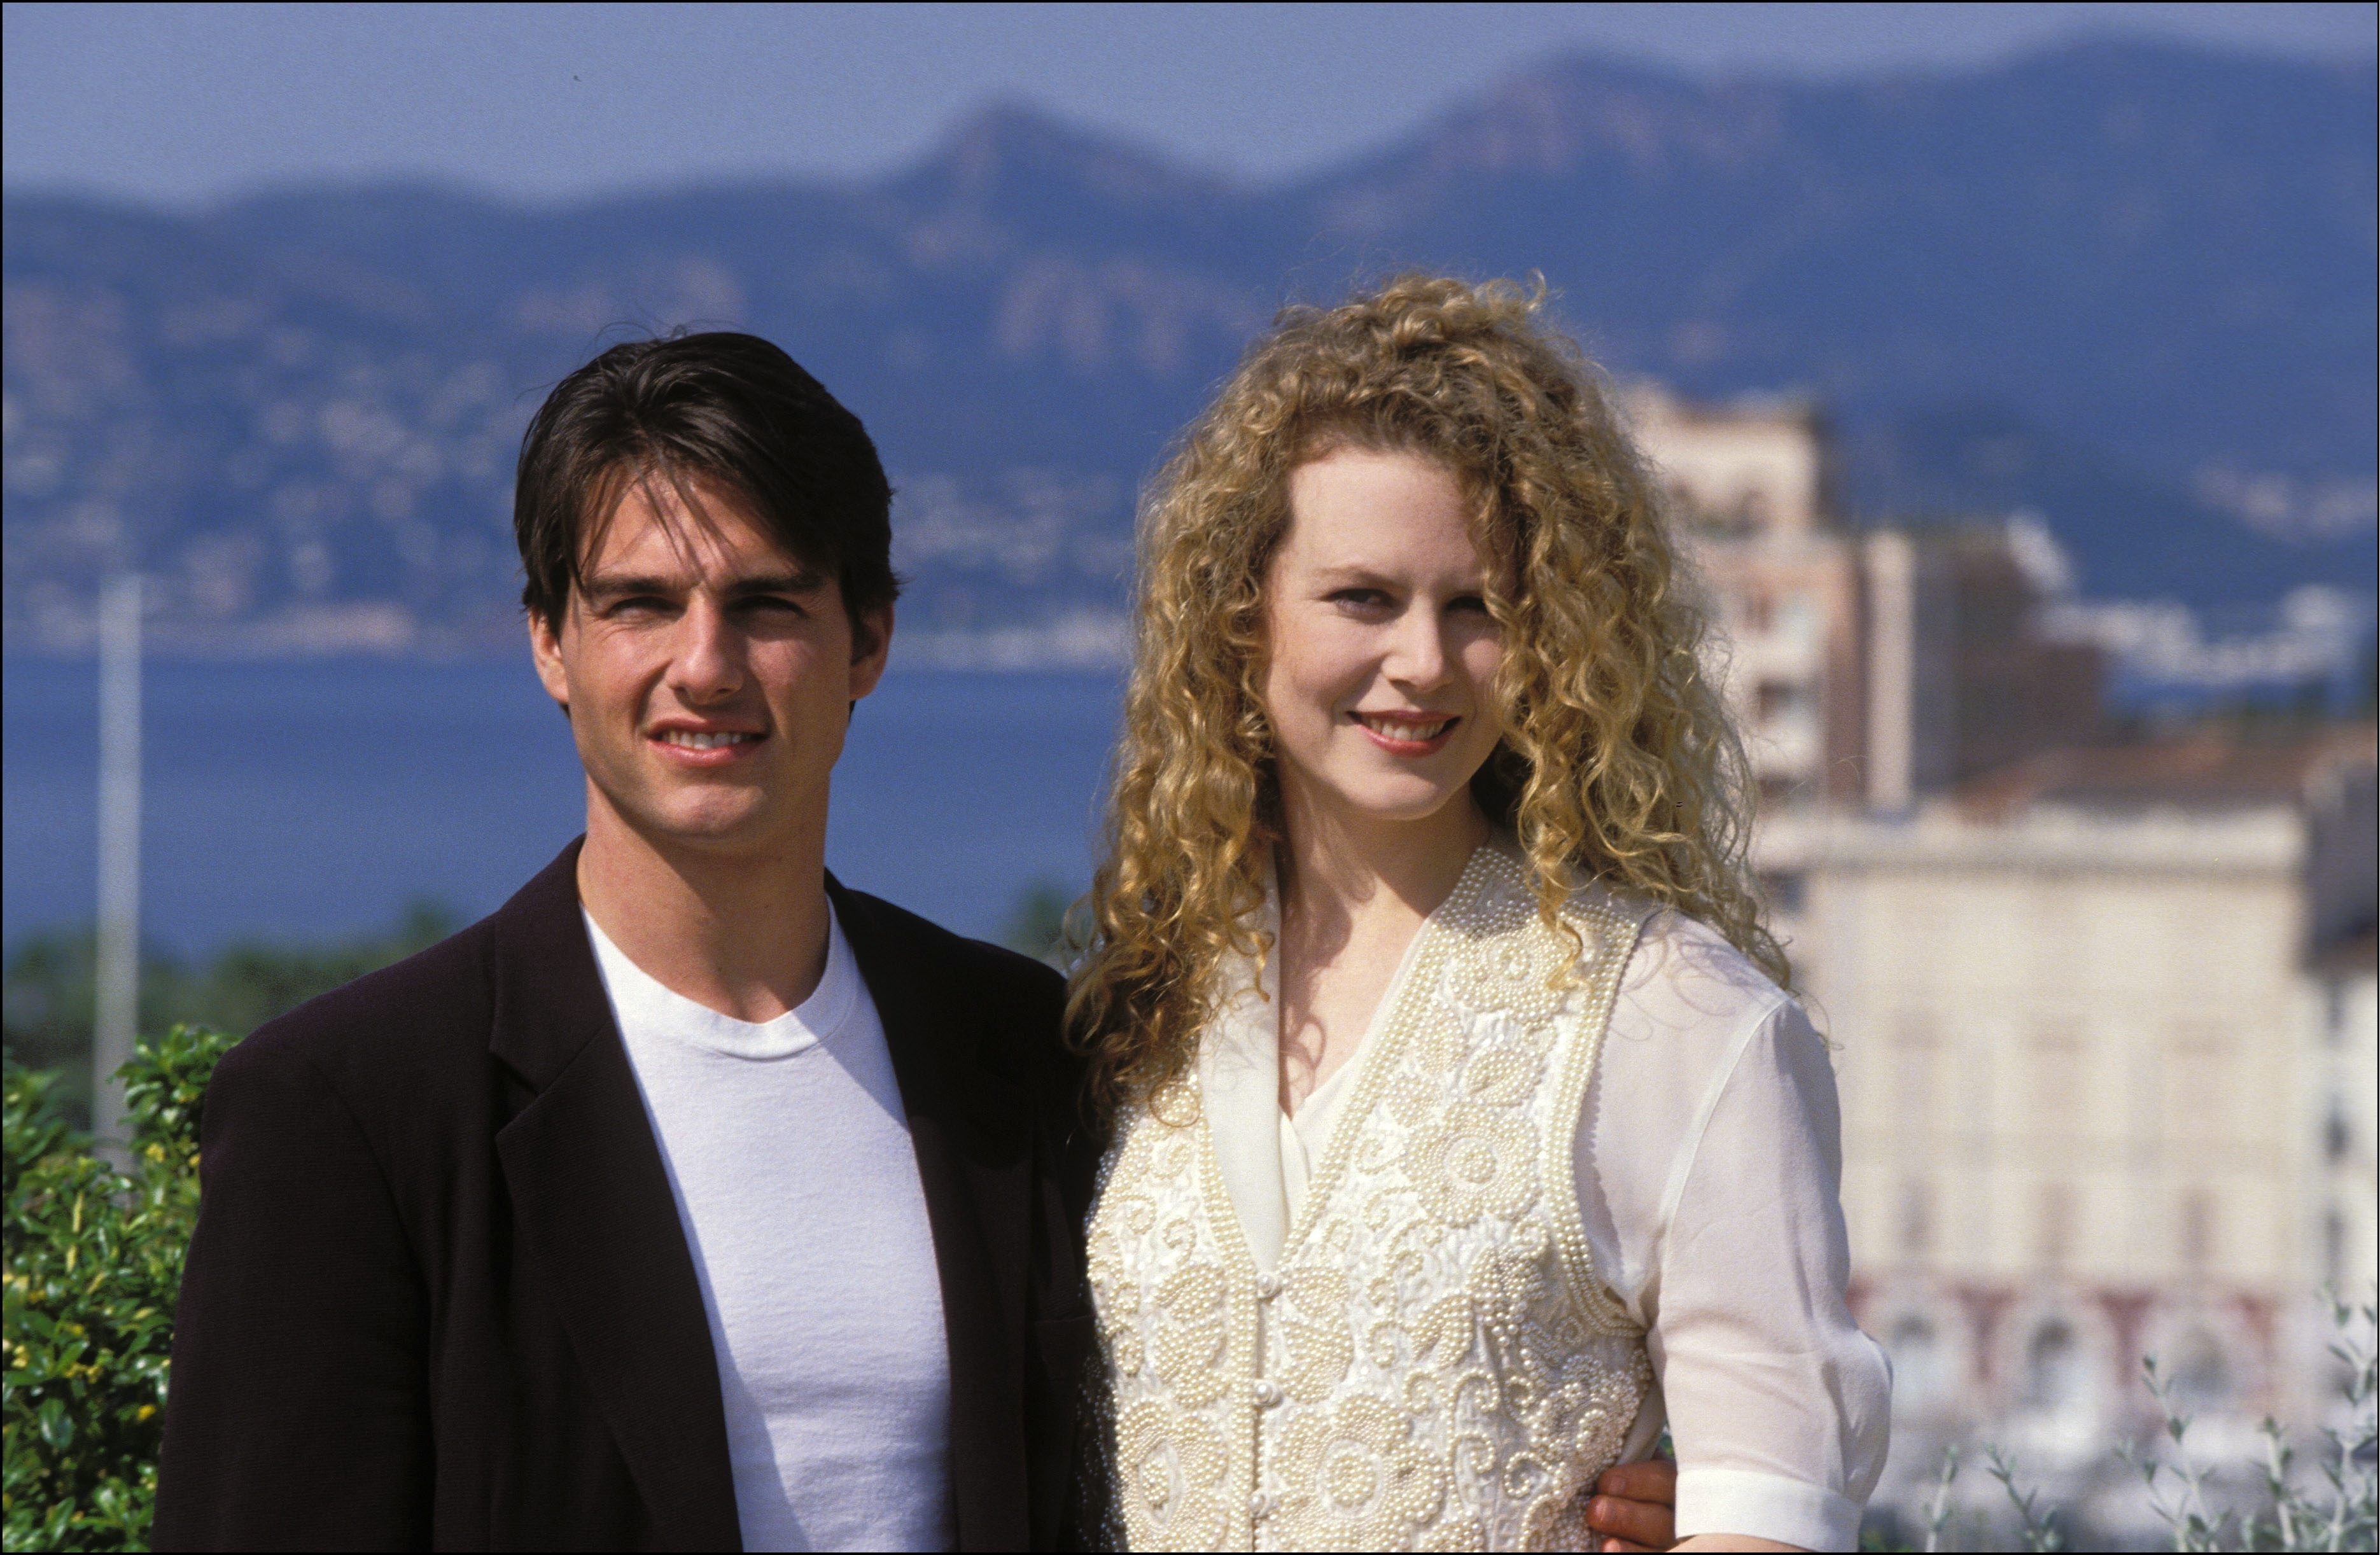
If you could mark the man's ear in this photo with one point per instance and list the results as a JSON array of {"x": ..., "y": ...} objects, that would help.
[
  {"x": 871, "y": 643},
  {"x": 545, "y": 652}
]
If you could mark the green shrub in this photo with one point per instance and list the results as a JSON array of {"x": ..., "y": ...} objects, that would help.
[
  {"x": 46, "y": 990},
  {"x": 94, "y": 1260}
]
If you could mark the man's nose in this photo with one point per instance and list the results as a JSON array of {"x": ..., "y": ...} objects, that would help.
[{"x": 709, "y": 660}]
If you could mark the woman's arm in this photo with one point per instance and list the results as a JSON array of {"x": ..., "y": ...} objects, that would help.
[{"x": 1780, "y": 1406}]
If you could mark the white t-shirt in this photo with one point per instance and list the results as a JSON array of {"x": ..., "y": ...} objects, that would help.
[
  {"x": 788, "y": 1153},
  {"x": 1707, "y": 1162}
]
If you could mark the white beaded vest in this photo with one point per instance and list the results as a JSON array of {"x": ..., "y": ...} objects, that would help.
[{"x": 1434, "y": 1364}]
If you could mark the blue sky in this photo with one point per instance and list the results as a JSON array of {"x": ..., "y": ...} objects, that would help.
[{"x": 184, "y": 105}]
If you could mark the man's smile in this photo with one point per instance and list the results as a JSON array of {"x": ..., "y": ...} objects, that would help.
[{"x": 696, "y": 744}]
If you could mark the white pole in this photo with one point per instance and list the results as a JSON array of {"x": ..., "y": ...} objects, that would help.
[{"x": 119, "y": 852}]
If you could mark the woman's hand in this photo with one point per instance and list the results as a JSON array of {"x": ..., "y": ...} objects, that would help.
[{"x": 1635, "y": 1506}]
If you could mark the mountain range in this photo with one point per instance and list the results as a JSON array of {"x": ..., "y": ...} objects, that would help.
[{"x": 2128, "y": 285}]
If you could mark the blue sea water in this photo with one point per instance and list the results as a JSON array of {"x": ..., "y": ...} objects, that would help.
[{"x": 312, "y": 800}]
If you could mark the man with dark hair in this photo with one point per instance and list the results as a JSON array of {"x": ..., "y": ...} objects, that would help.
[{"x": 691, "y": 1200}]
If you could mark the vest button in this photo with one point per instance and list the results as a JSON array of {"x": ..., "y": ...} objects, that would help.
[
  {"x": 1268, "y": 1286},
  {"x": 1268, "y": 1394},
  {"x": 1259, "y": 1506}
]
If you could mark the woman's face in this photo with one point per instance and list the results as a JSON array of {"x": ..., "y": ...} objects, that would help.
[{"x": 1381, "y": 656}]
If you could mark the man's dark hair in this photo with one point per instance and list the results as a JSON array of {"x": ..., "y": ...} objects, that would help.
[{"x": 725, "y": 408}]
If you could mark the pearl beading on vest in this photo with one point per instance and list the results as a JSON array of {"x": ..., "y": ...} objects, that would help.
[{"x": 1434, "y": 1363}]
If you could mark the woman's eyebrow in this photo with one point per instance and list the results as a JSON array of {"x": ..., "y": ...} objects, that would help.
[{"x": 1350, "y": 573}]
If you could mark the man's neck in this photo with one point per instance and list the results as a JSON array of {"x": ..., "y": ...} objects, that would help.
[{"x": 742, "y": 933}]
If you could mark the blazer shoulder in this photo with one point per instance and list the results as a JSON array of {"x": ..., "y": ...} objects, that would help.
[
  {"x": 983, "y": 968},
  {"x": 429, "y": 1010}
]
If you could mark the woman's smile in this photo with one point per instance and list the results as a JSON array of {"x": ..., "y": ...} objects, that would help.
[{"x": 1407, "y": 734}]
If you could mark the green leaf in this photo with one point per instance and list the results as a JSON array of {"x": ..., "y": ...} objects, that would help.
[{"x": 56, "y": 1426}]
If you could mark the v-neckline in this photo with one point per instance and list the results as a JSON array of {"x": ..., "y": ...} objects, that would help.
[{"x": 1225, "y": 1081}]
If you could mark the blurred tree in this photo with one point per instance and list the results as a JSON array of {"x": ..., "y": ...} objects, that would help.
[
  {"x": 1037, "y": 925},
  {"x": 46, "y": 998}
]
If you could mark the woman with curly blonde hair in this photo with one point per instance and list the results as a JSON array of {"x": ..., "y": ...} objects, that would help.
[{"x": 1464, "y": 1132}]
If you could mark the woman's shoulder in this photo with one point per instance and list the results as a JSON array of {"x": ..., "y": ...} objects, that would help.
[
  {"x": 1685, "y": 986},
  {"x": 1676, "y": 963}
]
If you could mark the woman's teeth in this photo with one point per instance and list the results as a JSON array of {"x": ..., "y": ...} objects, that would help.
[
  {"x": 1400, "y": 729},
  {"x": 703, "y": 741}
]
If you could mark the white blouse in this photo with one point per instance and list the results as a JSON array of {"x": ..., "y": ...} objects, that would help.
[{"x": 1708, "y": 1162}]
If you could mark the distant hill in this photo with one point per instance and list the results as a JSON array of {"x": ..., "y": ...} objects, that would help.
[{"x": 2129, "y": 286}]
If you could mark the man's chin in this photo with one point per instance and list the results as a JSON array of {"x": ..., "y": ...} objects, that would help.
[{"x": 711, "y": 827}]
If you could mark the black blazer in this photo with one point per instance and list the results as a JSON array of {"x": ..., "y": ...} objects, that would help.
[{"x": 439, "y": 1294}]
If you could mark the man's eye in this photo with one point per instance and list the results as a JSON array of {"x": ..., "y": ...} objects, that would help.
[
  {"x": 774, "y": 604},
  {"x": 637, "y": 604}
]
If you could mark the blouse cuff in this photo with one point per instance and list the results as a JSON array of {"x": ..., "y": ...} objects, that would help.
[{"x": 1745, "y": 1501}]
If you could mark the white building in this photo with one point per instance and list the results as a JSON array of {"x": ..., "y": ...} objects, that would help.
[
  {"x": 1872, "y": 666},
  {"x": 2104, "y": 1038}
]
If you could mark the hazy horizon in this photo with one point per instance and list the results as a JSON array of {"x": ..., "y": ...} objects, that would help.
[{"x": 160, "y": 106}]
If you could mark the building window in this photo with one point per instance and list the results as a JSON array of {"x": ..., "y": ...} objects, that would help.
[
  {"x": 2201, "y": 1374},
  {"x": 2197, "y": 1230},
  {"x": 1781, "y": 699},
  {"x": 2054, "y": 1224},
  {"x": 1922, "y": 1367},
  {"x": 1784, "y": 890},
  {"x": 1916, "y": 1219},
  {"x": 2057, "y": 1370},
  {"x": 2055, "y": 1057}
]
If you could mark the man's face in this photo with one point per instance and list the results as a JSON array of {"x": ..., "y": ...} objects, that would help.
[{"x": 709, "y": 676}]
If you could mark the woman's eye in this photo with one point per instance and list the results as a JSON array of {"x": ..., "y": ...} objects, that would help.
[
  {"x": 1363, "y": 598},
  {"x": 1469, "y": 602}
]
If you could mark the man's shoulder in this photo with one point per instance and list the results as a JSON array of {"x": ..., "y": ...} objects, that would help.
[
  {"x": 982, "y": 967},
  {"x": 428, "y": 1012}
]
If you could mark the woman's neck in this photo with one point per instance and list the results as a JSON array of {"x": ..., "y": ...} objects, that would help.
[{"x": 1339, "y": 870}]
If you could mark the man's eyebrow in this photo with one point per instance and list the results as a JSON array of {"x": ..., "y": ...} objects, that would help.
[
  {"x": 799, "y": 582},
  {"x": 612, "y": 585}
]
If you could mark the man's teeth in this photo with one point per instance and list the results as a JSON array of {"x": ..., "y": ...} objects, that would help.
[
  {"x": 1398, "y": 729},
  {"x": 701, "y": 741}
]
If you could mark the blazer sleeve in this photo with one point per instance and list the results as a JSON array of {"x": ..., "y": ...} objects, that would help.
[{"x": 296, "y": 1414}]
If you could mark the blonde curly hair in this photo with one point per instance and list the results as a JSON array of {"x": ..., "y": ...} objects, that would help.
[{"x": 1618, "y": 763}]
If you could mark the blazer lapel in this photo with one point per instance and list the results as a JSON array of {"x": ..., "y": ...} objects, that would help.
[
  {"x": 591, "y": 1204},
  {"x": 971, "y": 1129}
]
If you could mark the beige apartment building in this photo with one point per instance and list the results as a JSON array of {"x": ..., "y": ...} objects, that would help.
[
  {"x": 1870, "y": 666},
  {"x": 2103, "y": 1026},
  {"x": 2104, "y": 1012}
]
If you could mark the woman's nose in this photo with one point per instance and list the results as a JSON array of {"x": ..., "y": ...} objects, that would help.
[{"x": 1418, "y": 654}]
